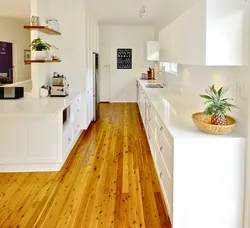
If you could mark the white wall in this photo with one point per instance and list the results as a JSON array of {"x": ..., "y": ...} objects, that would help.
[
  {"x": 73, "y": 48},
  {"x": 11, "y": 30},
  {"x": 191, "y": 81},
  {"x": 123, "y": 82}
]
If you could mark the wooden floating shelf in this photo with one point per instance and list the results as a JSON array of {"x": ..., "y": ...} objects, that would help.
[
  {"x": 43, "y": 29},
  {"x": 42, "y": 61}
]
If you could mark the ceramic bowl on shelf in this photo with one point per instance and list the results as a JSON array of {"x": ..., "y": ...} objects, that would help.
[{"x": 203, "y": 122}]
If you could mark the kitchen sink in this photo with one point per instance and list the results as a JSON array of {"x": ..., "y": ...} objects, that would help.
[{"x": 154, "y": 86}]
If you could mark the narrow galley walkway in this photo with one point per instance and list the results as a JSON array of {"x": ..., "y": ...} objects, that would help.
[{"x": 109, "y": 180}]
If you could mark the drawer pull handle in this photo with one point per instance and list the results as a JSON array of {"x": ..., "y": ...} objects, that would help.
[
  {"x": 161, "y": 175},
  {"x": 161, "y": 148},
  {"x": 161, "y": 128},
  {"x": 78, "y": 110},
  {"x": 69, "y": 139},
  {"x": 149, "y": 137},
  {"x": 78, "y": 125}
]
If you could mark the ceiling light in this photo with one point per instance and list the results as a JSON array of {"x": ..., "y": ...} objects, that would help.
[{"x": 142, "y": 11}]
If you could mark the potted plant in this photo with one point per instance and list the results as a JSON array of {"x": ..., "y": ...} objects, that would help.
[
  {"x": 214, "y": 119},
  {"x": 40, "y": 48}
]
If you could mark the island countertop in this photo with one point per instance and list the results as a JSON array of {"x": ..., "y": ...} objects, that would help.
[{"x": 33, "y": 107}]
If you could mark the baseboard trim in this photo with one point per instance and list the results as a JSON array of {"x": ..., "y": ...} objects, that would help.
[
  {"x": 35, "y": 167},
  {"x": 129, "y": 102}
]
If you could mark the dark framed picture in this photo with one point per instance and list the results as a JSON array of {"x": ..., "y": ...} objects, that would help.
[
  {"x": 124, "y": 58},
  {"x": 27, "y": 54}
]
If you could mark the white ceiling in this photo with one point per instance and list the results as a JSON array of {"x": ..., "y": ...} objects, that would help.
[
  {"x": 19, "y": 9},
  {"x": 158, "y": 12}
]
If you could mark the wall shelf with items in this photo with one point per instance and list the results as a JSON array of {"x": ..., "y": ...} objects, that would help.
[
  {"x": 43, "y": 29},
  {"x": 42, "y": 61}
]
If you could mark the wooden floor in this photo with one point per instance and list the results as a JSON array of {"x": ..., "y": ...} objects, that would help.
[{"x": 109, "y": 180}]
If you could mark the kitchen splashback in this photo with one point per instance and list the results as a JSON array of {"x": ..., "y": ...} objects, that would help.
[{"x": 192, "y": 80}]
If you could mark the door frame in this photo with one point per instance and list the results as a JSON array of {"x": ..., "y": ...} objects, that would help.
[{"x": 107, "y": 45}]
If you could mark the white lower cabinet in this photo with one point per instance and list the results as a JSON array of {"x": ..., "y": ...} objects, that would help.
[
  {"x": 67, "y": 141},
  {"x": 201, "y": 176},
  {"x": 166, "y": 182},
  {"x": 161, "y": 144},
  {"x": 42, "y": 142}
]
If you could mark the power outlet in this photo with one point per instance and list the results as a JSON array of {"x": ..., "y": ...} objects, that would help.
[{"x": 241, "y": 91}]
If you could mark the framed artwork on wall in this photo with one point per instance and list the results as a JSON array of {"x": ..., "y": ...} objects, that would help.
[{"x": 124, "y": 58}]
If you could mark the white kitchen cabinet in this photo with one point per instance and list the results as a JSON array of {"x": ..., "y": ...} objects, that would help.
[
  {"x": 153, "y": 50},
  {"x": 42, "y": 142},
  {"x": 166, "y": 183},
  {"x": 142, "y": 103},
  {"x": 167, "y": 47},
  {"x": 201, "y": 176},
  {"x": 212, "y": 33}
]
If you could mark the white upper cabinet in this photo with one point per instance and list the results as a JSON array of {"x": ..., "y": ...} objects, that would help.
[
  {"x": 166, "y": 38},
  {"x": 153, "y": 50},
  {"x": 212, "y": 33}
]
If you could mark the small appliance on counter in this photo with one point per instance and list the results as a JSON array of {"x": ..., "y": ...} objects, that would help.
[
  {"x": 11, "y": 92},
  {"x": 59, "y": 88}
]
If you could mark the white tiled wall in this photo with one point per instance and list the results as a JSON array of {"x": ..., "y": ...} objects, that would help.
[{"x": 192, "y": 80}]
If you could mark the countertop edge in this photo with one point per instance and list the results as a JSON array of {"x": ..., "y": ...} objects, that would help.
[{"x": 67, "y": 101}]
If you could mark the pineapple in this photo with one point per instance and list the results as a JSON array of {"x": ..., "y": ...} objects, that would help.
[{"x": 218, "y": 105}]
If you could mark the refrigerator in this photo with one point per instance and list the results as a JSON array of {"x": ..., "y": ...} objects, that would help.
[{"x": 96, "y": 95}]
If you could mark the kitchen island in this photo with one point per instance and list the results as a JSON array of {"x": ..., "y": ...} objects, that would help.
[
  {"x": 37, "y": 135},
  {"x": 201, "y": 175}
]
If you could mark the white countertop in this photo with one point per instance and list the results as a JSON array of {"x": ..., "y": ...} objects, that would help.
[
  {"x": 175, "y": 110},
  {"x": 29, "y": 106}
]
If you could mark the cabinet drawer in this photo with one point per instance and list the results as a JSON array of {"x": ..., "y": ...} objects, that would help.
[
  {"x": 151, "y": 115},
  {"x": 164, "y": 148},
  {"x": 76, "y": 127},
  {"x": 67, "y": 139},
  {"x": 78, "y": 100},
  {"x": 78, "y": 103},
  {"x": 151, "y": 140},
  {"x": 163, "y": 133},
  {"x": 167, "y": 155},
  {"x": 166, "y": 183}
]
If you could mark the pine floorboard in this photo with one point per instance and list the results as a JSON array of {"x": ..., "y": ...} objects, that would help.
[{"x": 109, "y": 180}]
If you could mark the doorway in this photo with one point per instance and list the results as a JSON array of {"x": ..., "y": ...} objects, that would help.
[{"x": 104, "y": 73}]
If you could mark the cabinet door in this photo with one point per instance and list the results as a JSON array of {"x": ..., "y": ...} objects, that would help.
[
  {"x": 42, "y": 142},
  {"x": 164, "y": 39},
  {"x": 139, "y": 98},
  {"x": 153, "y": 51},
  {"x": 166, "y": 183},
  {"x": 167, "y": 44},
  {"x": 138, "y": 92}
]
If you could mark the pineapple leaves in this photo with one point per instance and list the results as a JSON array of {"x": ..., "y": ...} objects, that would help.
[
  {"x": 206, "y": 97},
  {"x": 217, "y": 104},
  {"x": 220, "y": 91}
]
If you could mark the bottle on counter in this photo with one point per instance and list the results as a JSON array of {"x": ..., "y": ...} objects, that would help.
[{"x": 149, "y": 74}]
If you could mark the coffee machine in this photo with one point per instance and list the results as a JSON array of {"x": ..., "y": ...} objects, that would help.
[{"x": 59, "y": 87}]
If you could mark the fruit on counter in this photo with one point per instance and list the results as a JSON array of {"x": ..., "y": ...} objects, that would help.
[{"x": 217, "y": 105}]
